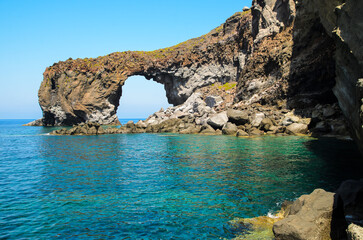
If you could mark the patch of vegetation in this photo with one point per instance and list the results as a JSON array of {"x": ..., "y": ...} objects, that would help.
[{"x": 227, "y": 86}]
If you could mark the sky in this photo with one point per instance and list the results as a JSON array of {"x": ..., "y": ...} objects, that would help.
[{"x": 36, "y": 34}]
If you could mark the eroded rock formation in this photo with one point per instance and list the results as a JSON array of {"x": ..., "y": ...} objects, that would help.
[
  {"x": 284, "y": 53},
  {"x": 305, "y": 53},
  {"x": 83, "y": 90}
]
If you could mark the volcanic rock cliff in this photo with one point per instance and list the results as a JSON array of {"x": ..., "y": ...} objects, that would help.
[
  {"x": 83, "y": 90},
  {"x": 284, "y": 53},
  {"x": 306, "y": 52}
]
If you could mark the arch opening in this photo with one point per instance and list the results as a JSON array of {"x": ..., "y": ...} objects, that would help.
[{"x": 140, "y": 98}]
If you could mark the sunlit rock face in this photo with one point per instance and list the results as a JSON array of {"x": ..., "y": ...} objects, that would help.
[
  {"x": 291, "y": 54},
  {"x": 84, "y": 90}
]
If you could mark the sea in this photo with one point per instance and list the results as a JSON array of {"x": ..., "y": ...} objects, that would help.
[{"x": 156, "y": 186}]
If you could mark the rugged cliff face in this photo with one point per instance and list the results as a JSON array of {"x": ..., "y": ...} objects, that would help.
[
  {"x": 285, "y": 53},
  {"x": 83, "y": 90},
  {"x": 305, "y": 53},
  {"x": 291, "y": 58}
]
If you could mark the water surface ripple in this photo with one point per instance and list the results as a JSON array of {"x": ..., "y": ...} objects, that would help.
[{"x": 154, "y": 186}]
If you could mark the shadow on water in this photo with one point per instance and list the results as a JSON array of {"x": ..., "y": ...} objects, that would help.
[{"x": 341, "y": 158}]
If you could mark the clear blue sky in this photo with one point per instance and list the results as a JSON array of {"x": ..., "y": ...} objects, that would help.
[{"x": 35, "y": 34}]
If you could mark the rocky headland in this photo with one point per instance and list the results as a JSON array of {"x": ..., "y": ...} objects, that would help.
[
  {"x": 278, "y": 60},
  {"x": 281, "y": 67}
]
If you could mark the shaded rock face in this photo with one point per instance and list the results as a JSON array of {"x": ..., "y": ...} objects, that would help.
[
  {"x": 306, "y": 53},
  {"x": 291, "y": 57},
  {"x": 348, "y": 207},
  {"x": 342, "y": 23},
  {"x": 89, "y": 90}
]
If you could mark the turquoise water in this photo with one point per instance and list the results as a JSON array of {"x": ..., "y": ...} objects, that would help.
[{"x": 155, "y": 186}]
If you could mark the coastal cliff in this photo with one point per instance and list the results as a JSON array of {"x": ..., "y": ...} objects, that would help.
[
  {"x": 307, "y": 52},
  {"x": 81, "y": 90},
  {"x": 281, "y": 67},
  {"x": 293, "y": 55}
]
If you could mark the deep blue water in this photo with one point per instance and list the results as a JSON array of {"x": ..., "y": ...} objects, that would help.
[{"x": 155, "y": 186}]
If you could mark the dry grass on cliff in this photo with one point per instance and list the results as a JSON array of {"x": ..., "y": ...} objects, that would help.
[{"x": 120, "y": 62}]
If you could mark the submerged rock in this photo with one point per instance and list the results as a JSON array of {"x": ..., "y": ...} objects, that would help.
[{"x": 258, "y": 228}]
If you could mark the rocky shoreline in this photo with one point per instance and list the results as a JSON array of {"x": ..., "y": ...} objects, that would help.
[
  {"x": 280, "y": 68},
  {"x": 235, "y": 122},
  {"x": 213, "y": 115}
]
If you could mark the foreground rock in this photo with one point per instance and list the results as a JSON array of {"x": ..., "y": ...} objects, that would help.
[
  {"x": 259, "y": 227},
  {"x": 325, "y": 215},
  {"x": 309, "y": 218},
  {"x": 355, "y": 232}
]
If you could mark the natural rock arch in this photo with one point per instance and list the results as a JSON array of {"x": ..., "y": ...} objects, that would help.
[
  {"x": 141, "y": 98},
  {"x": 82, "y": 90}
]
